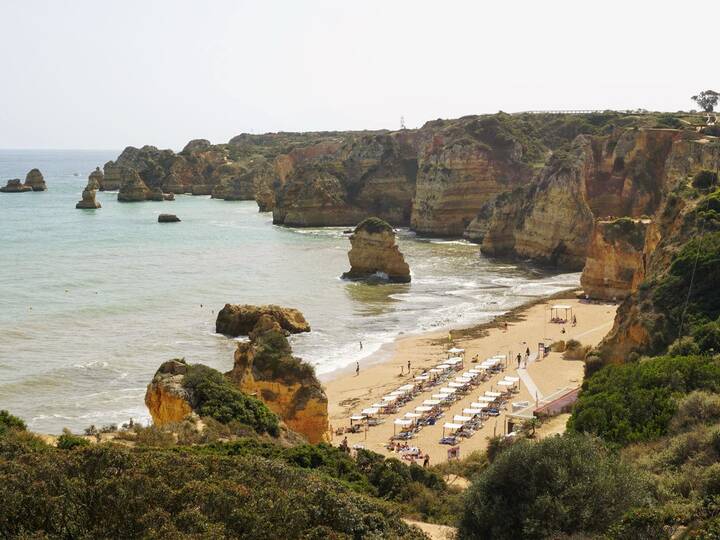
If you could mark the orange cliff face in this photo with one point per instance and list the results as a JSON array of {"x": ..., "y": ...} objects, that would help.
[
  {"x": 165, "y": 398},
  {"x": 264, "y": 367},
  {"x": 615, "y": 263},
  {"x": 374, "y": 250}
]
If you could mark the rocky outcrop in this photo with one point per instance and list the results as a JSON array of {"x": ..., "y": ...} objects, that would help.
[
  {"x": 132, "y": 188},
  {"x": 239, "y": 320},
  {"x": 96, "y": 179},
  {"x": 112, "y": 177},
  {"x": 615, "y": 263},
  {"x": 35, "y": 180},
  {"x": 88, "y": 195},
  {"x": 166, "y": 398},
  {"x": 374, "y": 253},
  {"x": 265, "y": 367},
  {"x": 168, "y": 218},
  {"x": 552, "y": 219},
  {"x": 15, "y": 186}
]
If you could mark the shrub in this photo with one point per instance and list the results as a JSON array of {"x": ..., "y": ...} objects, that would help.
[
  {"x": 574, "y": 350},
  {"x": 9, "y": 421},
  {"x": 696, "y": 408},
  {"x": 68, "y": 441},
  {"x": 560, "y": 485},
  {"x": 684, "y": 346},
  {"x": 707, "y": 337},
  {"x": 217, "y": 398},
  {"x": 593, "y": 364},
  {"x": 635, "y": 402},
  {"x": 704, "y": 179},
  {"x": 374, "y": 225}
]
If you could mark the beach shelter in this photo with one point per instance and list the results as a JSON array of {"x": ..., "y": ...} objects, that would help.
[
  {"x": 453, "y": 427},
  {"x": 558, "y": 309},
  {"x": 506, "y": 384},
  {"x": 412, "y": 415},
  {"x": 486, "y": 400},
  {"x": 456, "y": 350},
  {"x": 436, "y": 370},
  {"x": 371, "y": 411},
  {"x": 461, "y": 419},
  {"x": 389, "y": 398},
  {"x": 478, "y": 404},
  {"x": 356, "y": 418},
  {"x": 431, "y": 402},
  {"x": 441, "y": 397},
  {"x": 512, "y": 379},
  {"x": 447, "y": 390},
  {"x": 423, "y": 409},
  {"x": 472, "y": 412},
  {"x": 407, "y": 387},
  {"x": 456, "y": 385},
  {"x": 493, "y": 394}
]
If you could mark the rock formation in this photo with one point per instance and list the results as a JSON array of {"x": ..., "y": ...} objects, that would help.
[
  {"x": 132, "y": 188},
  {"x": 168, "y": 218},
  {"x": 96, "y": 179},
  {"x": 374, "y": 253},
  {"x": 239, "y": 320},
  {"x": 615, "y": 263},
  {"x": 15, "y": 186},
  {"x": 166, "y": 398},
  {"x": 88, "y": 195},
  {"x": 35, "y": 180},
  {"x": 265, "y": 367}
]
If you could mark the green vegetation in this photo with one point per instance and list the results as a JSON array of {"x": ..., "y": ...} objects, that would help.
[
  {"x": 8, "y": 422},
  {"x": 634, "y": 402},
  {"x": 625, "y": 229},
  {"x": 68, "y": 441},
  {"x": 273, "y": 359},
  {"x": 217, "y": 398},
  {"x": 374, "y": 225},
  {"x": 560, "y": 485},
  {"x": 704, "y": 179},
  {"x": 105, "y": 491}
]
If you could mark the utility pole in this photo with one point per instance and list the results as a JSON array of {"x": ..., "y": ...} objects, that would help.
[{"x": 402, "y": 123}]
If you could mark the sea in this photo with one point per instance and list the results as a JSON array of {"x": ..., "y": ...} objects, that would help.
[{"x": 93, "y": 301}]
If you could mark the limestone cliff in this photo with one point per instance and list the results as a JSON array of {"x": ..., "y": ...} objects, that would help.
[
  {"x": 265, "y": 367},
  {"x": 615, "y": 263},
  {"x": 552, "y": 219},
  {"x": 239, "y": 320},
  {"x": 374, "y": 253},
  {"x": 132, "y": 187}
]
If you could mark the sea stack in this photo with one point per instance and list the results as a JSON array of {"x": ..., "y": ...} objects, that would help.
[
  {"x": 88, "y": 195},
  {"x": 132, "y": 187},
  {"x": 35, "y": 180},
  {"x": 15, "y": 186},
  {"x": 375, "y": 254},
  {"x": 96, "y": 178}
]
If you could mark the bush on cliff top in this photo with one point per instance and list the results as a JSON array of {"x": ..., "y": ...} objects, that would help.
[
  {"x": 274, "y": 361},
  {"x": 216, "y": 397},
  {"x": 374, "y": 225},
  {"x": 635, "y": 402},
  {"x": 8, "y": 422}
]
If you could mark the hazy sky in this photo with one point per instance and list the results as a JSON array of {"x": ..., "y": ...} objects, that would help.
[{"x": 107, "y": 74}]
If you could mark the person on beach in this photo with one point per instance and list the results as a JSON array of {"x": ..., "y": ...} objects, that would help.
[
  {"x": 426, "y": 461},
  {"x": 563, "y": 330},
  {"x": 574, "y": 323},
  {"x": 518, "y": 360},
  {"x": 505, "y": 326},
  {"x": 357, "y": 368},
  {"x": 361, "y": 345},
  {"x": 408, "y": 367}
]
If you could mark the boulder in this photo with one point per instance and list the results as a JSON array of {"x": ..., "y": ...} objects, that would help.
[
  {"x": 168, "y": 218},
  {"x": 374, "y": 253},
  {"x": 166, "y": 398},
  {"x": 15, "y": 186},
  {"x": 132, "y": 188},
  {"x": 35, "y": 180},
  {"x": 168, "y": 196},
  {"x": 240, "y": 320}
]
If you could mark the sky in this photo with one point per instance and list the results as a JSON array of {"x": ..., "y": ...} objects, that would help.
[{"x": 106, "y": 74}]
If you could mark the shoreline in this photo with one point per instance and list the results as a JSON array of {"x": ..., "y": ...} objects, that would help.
[{"x": 528, "y": 325}]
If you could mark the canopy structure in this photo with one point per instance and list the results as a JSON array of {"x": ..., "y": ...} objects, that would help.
[
  {"x": 436, "y": 370},
  {"x": 356, "y": 418},
  {"x": 512, "y": 379},
  {"x": 461, "y": 419},
  {"x": 398, "y": 393},
  {"x": 486, "y": 400},
  {"x": 407, "y": 387},
  {"x": 443, "y": 366},
  {"x": 472, "y": 412},
  {"x": 506, "y": 383},
  {"x": 370, "y": 411},
  {"x": 456, "y": 385},
  {"x": 404, "y": 424},
  {"x": 423, "y": 409},
  {"x": 422, "y": 377},
  {"x": 451, "y": 426},
  {"x": 447, "y": 390},
  {"x": 558, "y": 309},
  {"x": 379, "y": 405},
  {"x": 412, "y": 415},
  {"x": 431, "y": 402},
  {"x": 454, "y": 360},
  {"x": 493, "y": 394},
  {"x": 441, "y": 397},
  {"x": 478, "y": 405},
  {"x": 456, "y": 350},
  {"x": 389, "y": 398}
]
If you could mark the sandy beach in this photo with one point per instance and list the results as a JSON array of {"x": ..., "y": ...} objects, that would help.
[{"x": 349, "y": 393}]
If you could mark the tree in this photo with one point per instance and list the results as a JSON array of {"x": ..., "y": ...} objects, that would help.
[
  {"x": 707, "y": 100},
  {"x": 562, "y": 485}
]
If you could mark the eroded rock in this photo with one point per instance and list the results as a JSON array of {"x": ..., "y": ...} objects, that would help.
[
  {"x": 375, "y": 254},
  {"x": 239, "y": 320},
  {"x": 35, "y": 180}
]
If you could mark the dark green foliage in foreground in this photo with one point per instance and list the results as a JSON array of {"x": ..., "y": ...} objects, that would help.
[
  {"x": 374, "y": 225},
  {"x": 8, "y": 422},
  {"x": 217, "y": 398},
  {"x": 704, "y": 179},
  {"x": 68, "y": 441},
  {"x": 560, "y": 485},
  {"x": 421, "y": 492},
  {"x": 105, "y": 491},
  {"x": 635, "y": 402},
  {"x": 628, "y": 230}
]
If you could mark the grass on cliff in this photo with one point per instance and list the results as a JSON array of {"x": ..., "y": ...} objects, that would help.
[
  {"x": 374, "y": 225},
  {"x": 274, "y": 361},
  {"x": 216, "y": 397}
]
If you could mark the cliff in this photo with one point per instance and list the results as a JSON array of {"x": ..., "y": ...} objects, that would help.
[
  {"x": 374, "y": 251},
  {"x": 552, "y": 219},
  {"x": 166, "y": 398},
  {"x": 88, "y": 195},
  {"x": 615, "y": 263}
]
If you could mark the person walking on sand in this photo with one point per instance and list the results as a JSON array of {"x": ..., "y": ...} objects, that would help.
[
  {"x": 357, "y": 368},
  {"x": 426, "y": 461},
  {"x": 519, "y": 357},
  {"x": 574, "y": 323},
  {"x": 408, "y": 367},
  {"x": 361, "y": 345}
]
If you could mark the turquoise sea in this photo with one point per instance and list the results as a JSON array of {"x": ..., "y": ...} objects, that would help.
[{"x": 92, "y": 301}]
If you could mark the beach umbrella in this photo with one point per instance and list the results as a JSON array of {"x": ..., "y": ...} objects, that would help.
[
  {"x": 356, "y": 418},
  {"x": 451, "y": 426}
]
